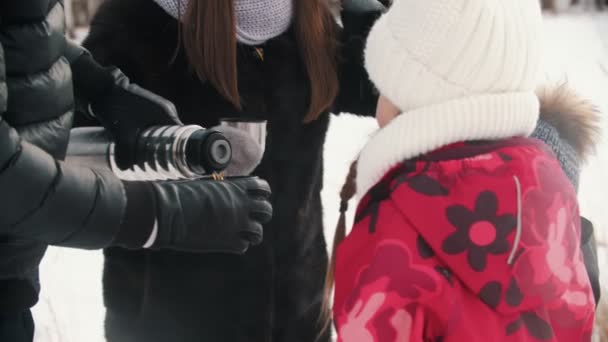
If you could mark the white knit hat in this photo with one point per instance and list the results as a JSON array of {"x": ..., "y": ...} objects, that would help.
[{"x": 426, "y": 52}]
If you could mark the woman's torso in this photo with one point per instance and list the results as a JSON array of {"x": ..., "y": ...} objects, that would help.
[{"x": 237, "y": 298}]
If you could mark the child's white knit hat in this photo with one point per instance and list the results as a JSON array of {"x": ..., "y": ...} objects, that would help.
[{"x": 424, "y": 52}]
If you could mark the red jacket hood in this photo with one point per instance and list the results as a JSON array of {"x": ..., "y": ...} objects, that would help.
[{"x": 505, "y": 221}]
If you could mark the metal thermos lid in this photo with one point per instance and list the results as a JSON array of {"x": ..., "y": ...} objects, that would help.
[{"x": 208, "y": 151}]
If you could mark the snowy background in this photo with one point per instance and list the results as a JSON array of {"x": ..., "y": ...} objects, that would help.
[{"x": 71, "y": 309}]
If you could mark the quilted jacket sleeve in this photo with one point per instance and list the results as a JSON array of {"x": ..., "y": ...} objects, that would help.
[{"x": 46, "y": 200}]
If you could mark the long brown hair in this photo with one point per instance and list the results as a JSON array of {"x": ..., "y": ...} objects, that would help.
[
  {"x": 346, "y": 194},
  {"x": 208, "y": 34}
]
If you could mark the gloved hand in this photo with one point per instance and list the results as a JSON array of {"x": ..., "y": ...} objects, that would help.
[
  {"x": 208, "y": 216},
  {"x": 365, "y": 5},
  {"x": 127, "y": 110},
  {"x": 589, "y": 249},
  {"x": 357, "y": 93}
]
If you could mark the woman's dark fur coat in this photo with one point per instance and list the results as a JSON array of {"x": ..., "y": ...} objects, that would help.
[{"x": 273, "y": 293}]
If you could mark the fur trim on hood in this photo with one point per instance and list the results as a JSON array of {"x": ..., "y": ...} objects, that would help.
[{"x": 576, "y": 119}]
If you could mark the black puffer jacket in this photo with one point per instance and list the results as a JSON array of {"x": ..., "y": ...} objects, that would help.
[
  {"x": 43, "y": 201},
  {"x": 273, "y": 293}
]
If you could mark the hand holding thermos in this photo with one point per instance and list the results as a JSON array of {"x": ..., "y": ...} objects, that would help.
[
  {"x": 212, "y": 216},
  {"x": 192, "y": 215},
  {"x": 126, "y": 111}
]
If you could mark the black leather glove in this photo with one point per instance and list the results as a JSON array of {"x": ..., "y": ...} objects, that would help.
[
  {"x": 589, "y": 249},
  {"x": 208, "y": 216},
  {"x": 357, "y": 94},
  {"x": 123, "y": 108},
  {"x": 126, "y": 111},
  {"x": 365, "y": 5}
]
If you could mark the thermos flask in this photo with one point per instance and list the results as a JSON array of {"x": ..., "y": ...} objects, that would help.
[{"x": 162, "y": 152}]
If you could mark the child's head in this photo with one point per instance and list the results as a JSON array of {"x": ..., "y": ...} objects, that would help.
[{"x": 425, "y": 52}]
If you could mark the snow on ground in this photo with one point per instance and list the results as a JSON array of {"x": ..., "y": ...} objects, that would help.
[{"x": 71, "y": 309}]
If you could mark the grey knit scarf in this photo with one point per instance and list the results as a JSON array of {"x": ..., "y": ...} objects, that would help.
[{"x": 257, "y": 20}]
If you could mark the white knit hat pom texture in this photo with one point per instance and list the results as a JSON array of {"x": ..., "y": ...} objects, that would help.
[{"x": 427, "y": 52}]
